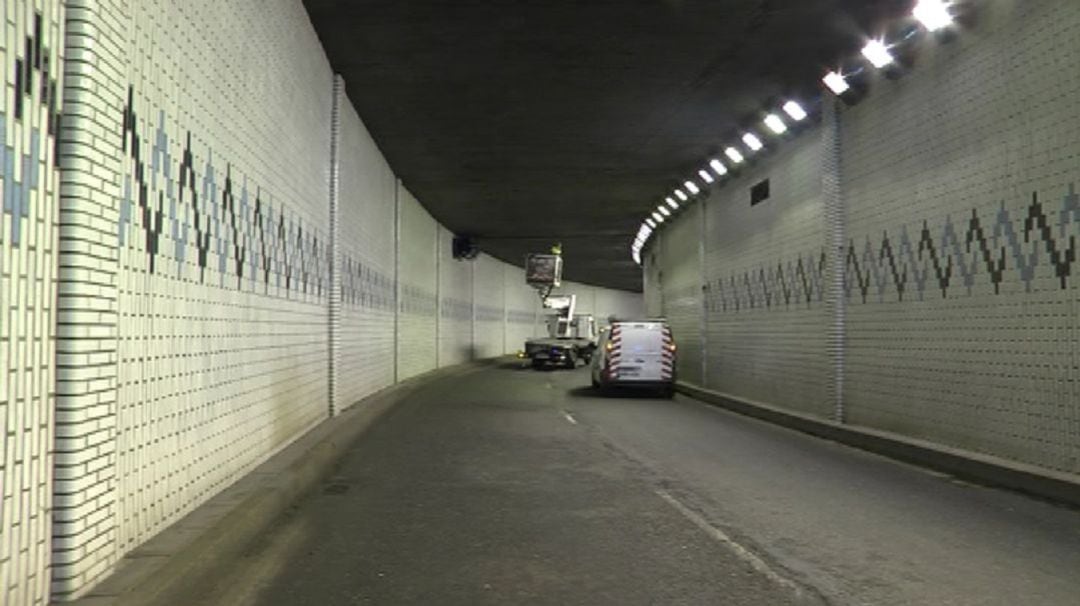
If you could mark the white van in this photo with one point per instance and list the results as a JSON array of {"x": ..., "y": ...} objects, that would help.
[{"x": 636, "y": 353}]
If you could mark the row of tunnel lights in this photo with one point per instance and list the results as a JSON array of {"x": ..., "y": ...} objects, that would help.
[{"x": 934, "y": 15}]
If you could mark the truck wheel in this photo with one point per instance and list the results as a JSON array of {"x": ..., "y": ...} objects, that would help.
[
  {"x": 571, "y": 360},
  {"x": 537, "y": 364}
]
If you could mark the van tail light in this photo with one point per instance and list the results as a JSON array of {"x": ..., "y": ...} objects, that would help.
[{"x": 609, "y": 346}]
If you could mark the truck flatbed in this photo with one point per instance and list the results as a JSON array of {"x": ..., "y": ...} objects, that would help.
[{"x": 563, "y": 351}]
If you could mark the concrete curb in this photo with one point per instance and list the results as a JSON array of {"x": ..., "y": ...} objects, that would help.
[
  {"x": 983, "y": 469},
  {"x": 169, "y": 566}
]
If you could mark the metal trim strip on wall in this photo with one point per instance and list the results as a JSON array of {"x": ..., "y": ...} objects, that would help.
[
  {"x": 836, "y": 234},
  {"x": 334, "y": 307}
]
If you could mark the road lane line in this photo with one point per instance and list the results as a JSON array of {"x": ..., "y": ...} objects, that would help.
[
  {"x": 569, "y": 417},
  {"x": 720, "y": 536}
]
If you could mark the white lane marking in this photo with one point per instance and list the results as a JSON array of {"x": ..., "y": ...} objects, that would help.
[
  {"x": 720, "y": 536},
  {"x": 569, "y": 417}
]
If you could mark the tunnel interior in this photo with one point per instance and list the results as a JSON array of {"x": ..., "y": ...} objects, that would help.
[{"x": 229, "y": 228}]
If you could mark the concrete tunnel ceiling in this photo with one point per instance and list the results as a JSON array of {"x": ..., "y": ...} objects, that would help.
[{"x": 526, "y": 123}]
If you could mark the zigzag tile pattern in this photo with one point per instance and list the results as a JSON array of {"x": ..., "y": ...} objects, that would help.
[
  {"x": 277, "y": 249},
  {"x": 794, "y": 282},
  {"x": 922, "y": 262}
]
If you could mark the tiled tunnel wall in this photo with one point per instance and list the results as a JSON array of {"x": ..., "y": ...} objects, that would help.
[
  {"x": 231, "y": 261},
  {"x": 31, "y": 47},
  {"x": 366, "y": 240},
  {"x": 960, "y": 299}
]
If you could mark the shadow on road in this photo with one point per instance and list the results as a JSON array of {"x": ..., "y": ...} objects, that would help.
[{"x": 624, "y": 393}]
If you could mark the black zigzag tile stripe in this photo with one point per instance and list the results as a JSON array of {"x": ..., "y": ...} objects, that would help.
[
  {"x": 275, "y": 248},
  {"x": 795, "y": 283},
  {"x": 947, "y": 260}
]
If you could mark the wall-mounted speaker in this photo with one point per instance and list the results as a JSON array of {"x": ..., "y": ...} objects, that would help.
[{"x": 464, "y": 248}]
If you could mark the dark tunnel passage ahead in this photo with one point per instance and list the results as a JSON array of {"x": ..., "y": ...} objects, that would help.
[{"x": 509, "y": 486}]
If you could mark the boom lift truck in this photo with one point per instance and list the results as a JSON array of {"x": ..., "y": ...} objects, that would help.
[{"x": 571, "y": 337}]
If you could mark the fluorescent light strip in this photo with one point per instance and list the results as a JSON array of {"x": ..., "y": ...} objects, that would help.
[
  {"x": 718, "y": 167},
  {"x": 672, "y": 203},
  {"x": 734, "y": 154},
  {"x": 836, "y": 83},
  {"x": 751, "y": 140},
  {"x": 705, "y": 176},
  {"x": 656, "y": 217},
  {"x": 694, "y": 189},
  {"x": 664, "y": 210},
  {"x": 680, "y": 195},
  {"x": 775, "y": 124},
  {"x": 933, "y": 14},
  {"x": 795, "y": 110},
  {"x": 877, "y": 53}
]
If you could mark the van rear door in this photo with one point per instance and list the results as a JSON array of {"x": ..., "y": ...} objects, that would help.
[{"x": 639, "y": 348}]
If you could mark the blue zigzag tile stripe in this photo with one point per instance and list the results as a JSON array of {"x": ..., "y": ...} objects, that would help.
[
  {"x": 456, "y": 309},
  {"x": 798, "y": 282},
  {"x": 364, "y": 286},
  {"x": 17, "y": 194},
  {"x": 958, "y": 256},
  {"x": 417, "y": 301},
  {"x": 276, "y": 248},
  {"x": 515, "y": 316},
  {"x": 485, "y": 313}
]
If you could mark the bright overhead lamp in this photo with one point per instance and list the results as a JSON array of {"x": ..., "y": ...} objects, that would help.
[
  {"x": 664, "y": 210},
  {"x": 694, "y": 189},
  {"x": 672, "y": 203},
  {"x": 718, "y": 167},
  {"x": 933, "y": 14},
  {"x": 656, "y": 217},
  {"x": 877, "y": 53},
  {"x": 705, "y": 176},
  {"x": 836, "y": 83},
  {"x": 751, "y": 140},
  {"x": 775, "y": 124},
  {"x": 637, "y": 258},
  {"x": 680, "y": 195},
  {"x": 734, "y": 154},
  {"x": 795, "y": 110},
  {"x": 651, "y": 224}
]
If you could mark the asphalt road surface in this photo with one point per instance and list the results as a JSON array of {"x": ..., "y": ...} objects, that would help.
[{"x": 514, "y": 486}]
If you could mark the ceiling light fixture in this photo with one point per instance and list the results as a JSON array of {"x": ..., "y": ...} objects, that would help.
[
  {"x": 734, "y": 154},
  {"x": 651, "y": 224},
  {"x": 775, "y": 124},
  {"x": 656, "y": 217},
  {"x": 664, "y": 210},
  {"x": 672, "y": 203},
  {"x": 705, "y": 176},
  {"x": 877, "y": 53},
  {"x": 680, "y": 195},
  {"x": 694, "y": 189},
  {"x": 751, "y": 140},
  {"x": 795, "y": 110},
  {"x": 718, "y": 167},
  {"x": 933, "y": 14},
  {"x": 836, "y": 83}
]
